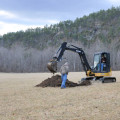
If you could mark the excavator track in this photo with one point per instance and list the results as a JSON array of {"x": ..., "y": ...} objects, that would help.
[
  {"x": 108, "y": 79},
  {"x": 102, "y": 79}
]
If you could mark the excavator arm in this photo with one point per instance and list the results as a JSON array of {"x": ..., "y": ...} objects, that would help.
[{"x": 52, "y": 65}]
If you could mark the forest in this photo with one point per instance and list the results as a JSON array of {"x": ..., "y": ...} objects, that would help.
[{"x": 30, "y": 50}]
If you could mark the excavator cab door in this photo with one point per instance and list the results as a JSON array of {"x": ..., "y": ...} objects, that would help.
[{"x": 102, "y": 62}]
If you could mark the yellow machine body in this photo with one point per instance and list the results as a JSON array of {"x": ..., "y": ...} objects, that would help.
[{"x": 99, "y": 74}]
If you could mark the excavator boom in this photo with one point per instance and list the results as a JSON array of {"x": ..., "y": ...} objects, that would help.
[{"x": 52, "y": 65}]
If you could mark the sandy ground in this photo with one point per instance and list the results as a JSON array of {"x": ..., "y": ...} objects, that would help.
[{"x": 20, "y": 100}]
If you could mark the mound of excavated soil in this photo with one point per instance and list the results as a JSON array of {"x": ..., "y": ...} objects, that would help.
[{"x": 55, "y": 81}]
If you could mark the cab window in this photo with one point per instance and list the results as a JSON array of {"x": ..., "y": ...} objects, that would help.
[{"x": 97, "y": 62}]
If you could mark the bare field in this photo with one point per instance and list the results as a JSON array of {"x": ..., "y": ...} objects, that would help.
[{"x": 20, "y": 100}]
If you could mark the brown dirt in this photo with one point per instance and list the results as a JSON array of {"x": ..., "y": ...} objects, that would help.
[{"x": 55, "y": 81}]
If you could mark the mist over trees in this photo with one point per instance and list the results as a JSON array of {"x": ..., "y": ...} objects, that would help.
[{"x": 30, "y": 50}]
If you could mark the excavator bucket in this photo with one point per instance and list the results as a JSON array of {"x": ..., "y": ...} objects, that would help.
[{"x": 52, "y": 66}]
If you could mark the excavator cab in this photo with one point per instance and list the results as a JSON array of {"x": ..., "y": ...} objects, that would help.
[{"x": 102, "y": 62}]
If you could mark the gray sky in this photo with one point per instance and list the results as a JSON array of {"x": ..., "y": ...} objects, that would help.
[{"x": 18, "y": 15}]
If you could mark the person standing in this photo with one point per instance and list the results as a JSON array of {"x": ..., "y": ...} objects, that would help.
[
  {"x": 103, "y": 63},
  {"x": 64, "y": 72}
]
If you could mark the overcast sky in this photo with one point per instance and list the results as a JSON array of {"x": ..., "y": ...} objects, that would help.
[{"x": 18, "y": 15}]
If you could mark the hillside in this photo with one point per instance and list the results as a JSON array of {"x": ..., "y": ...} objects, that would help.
[
  {"x": 103, "y": 25},
  {"x": 99, "y": 31}
]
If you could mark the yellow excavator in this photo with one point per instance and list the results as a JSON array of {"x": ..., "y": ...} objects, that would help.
[{"x": 101, "y": 69}]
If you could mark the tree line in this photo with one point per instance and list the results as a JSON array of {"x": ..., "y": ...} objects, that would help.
[
  {"x": 103, "y": 25},
  {"x": 30, "y": 50},
  {"x": 20, "y": 59}
]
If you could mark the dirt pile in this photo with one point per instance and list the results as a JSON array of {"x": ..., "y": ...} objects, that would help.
[
  {"x": 55, "y": 81},
  {"x": 85, "y": 83}
]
